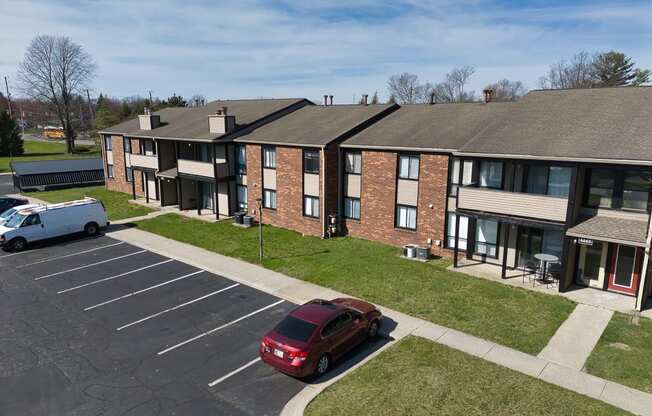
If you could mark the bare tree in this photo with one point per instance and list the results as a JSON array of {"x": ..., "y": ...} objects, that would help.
[
  {"x": 405, "y": 88},
  {"x": 54, "y": 70},
  {"x": 506, "y": 90},
  {"x": 578, "y": 72},
  {"x": 197, "y": 100},
  {"x": 452, "y": 88}
]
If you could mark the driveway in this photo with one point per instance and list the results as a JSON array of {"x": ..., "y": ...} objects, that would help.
[{"x": 100, "y": 327}]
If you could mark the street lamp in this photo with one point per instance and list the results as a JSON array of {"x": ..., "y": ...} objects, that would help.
[{"x": 259, "y": 202}]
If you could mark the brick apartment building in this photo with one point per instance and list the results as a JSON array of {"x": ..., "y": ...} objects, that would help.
[{"x": 292, "y": 164}]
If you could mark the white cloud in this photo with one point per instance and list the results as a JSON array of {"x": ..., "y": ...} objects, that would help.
[{"x": 250, "y": 49}]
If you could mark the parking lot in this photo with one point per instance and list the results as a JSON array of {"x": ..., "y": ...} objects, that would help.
[{"x": 98, "y": 326}]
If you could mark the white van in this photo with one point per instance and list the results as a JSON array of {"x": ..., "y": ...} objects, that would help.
[
  {"x": 54, "y": 220},
  {"x": 4, "y": 217}
]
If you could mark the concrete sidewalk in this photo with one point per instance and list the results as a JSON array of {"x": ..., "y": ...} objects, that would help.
[
  {"x": 577, "y": 336},
  {"x": 298, "y": 291}
]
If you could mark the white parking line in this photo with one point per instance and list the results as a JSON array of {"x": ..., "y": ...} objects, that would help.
[
  {"x": 190, "y": 302},
  {"x": 234, "y": 372},
  {"x": 94, "y": 282},
  {"x": 203, "y": 334},
  {"x": 68, "y": 255},
  {"x": 128, "y": 295},
  {"x": 89, "y": 265}
]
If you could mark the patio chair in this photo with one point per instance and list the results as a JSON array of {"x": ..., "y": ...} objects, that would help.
[
  {"x": 554, "y": 274},
  {"x": 530, "y": 270}
]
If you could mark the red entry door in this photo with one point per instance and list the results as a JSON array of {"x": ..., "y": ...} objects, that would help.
[{"x": 625, "y": 270}]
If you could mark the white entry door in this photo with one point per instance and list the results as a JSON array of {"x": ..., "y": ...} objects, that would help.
[
  {"x": 592, "y": 264},
  {"x": 151, "y": 184}
]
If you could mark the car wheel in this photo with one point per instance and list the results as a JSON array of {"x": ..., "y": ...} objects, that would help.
[
  {"x": 18, "y": 244},
  {"x": 322, "y": 365},
  {"x": 374, "y": 326},
  {"x": 91, "y": 229}
]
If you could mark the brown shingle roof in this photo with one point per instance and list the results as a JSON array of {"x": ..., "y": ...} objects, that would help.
[
  {"x": 315, "y": 125},
  {"x": 617, "y": 230},
  {"x": 583, "y": 124},
  {"x": 438, "y": 127},
  {"x": 192, "y": 123}
]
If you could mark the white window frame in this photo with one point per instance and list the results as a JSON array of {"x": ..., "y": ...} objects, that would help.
[
  {"x": 269, "y": 157},
  {"x": 350, "y": 205},
  {"x": 311, "y": 206},
  {"x": 411, "y": 163},
  {"x": 269, "y": 198},
  {"x": 407, "y": 221}
]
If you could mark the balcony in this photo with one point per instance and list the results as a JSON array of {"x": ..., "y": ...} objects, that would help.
[
  {"x": 206, "y": 169},
  {"x": 541, "y": 207},
  {"x": 143, "y": 161}
]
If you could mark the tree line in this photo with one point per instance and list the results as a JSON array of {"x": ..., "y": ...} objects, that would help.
[{"x": 583, "y": 70}]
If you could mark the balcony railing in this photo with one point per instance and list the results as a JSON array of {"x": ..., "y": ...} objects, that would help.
[
  {"x": 144, "y": 161},
  {"x": 541, "y": 207},
  {"x": 197, "y": 168}
]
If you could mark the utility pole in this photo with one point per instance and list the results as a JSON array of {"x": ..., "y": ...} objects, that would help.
[
  {"x": 90, "y": 107},
  {"x": 151, "y": 103},
  {"x": 8, "y": 97}
]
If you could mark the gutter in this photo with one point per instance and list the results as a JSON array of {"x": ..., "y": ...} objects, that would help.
[{"x": 555, "y": 158}]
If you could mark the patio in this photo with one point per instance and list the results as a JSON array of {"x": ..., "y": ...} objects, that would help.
[
  {"x": 206, "y": 215},
  {"x": 579, "y": 294}
]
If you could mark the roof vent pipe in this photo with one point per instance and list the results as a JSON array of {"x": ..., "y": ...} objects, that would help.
[
  {"x": 488, "y": 95},
  {"x": 365, "y": 99},
  {"x": 325, "y": 100},
  {"x": 432, "y": 98},
  {"x": 330, "y": 97}
]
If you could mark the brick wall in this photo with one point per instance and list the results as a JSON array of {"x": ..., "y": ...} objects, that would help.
[
  {"x": 289, "y": 190},
  {"x": 377, "y": 201},
  {"x": 119, "y": 181}
]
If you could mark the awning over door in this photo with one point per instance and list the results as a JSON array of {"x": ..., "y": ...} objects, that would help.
[{"x": 612, "y": 230}]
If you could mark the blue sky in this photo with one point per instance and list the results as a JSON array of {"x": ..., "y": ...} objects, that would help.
[{"x": 283, "y": 48}]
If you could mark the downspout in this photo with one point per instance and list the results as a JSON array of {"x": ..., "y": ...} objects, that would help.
[
  {"x": 642, "y": 288},
  {"x": 322, "y": 191}
]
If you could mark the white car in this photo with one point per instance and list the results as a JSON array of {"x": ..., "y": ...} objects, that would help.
[
  {"x": 48, "y": 221},
  {"x": 4, "y": 217}
]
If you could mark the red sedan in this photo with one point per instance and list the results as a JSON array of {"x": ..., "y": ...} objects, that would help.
[{"x": 317, "y": 333}]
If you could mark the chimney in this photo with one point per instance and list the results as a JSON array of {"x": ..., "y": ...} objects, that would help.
[
  {"x": 220, "y": 122},
  {"x": 488, "y": 95},
  {"x": 365, "y": 99},
  {"x": 432, "y": 98},
  {"x": 148, "y": 121},
  {"x": 325, "y": 100}
]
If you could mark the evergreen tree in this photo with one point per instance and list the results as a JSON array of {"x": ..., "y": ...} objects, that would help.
[
  {"x": 104, "y": 117},
  {"x": 11, "y": 142},
  {"x": 374, "y": 99},
  {"x": 392, "y": 99},
  {"x": 612, "y": 69}
]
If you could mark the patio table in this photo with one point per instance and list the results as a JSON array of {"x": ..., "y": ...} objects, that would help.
[{"x": 545, "y": 259}]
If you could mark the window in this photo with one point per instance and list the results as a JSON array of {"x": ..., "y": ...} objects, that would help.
[
  {"x": 559, "y": 181},
  {"x": 204, "y": 152},
  {"x": 636, "y": 190},
  {"x": 295, "y": 328},
  {"x": 408, "y": 167},
  {"x": 454, "y": 178},
  {"x": 33, "y": 219},
  {"x": 269, "y": 198},
  {"x": 406, "y": 217},
  {"x": 126, "y": 144},
  {"x": 601, "y": 189},
  {"x": 241, "y": 157},
  {"x": 269, "y": 157},
  {"x": 491, "y": 174},
  {"x": 337, "y": 324},
  {"x": 311, "y": 206},
  {"x": 109, "y": 171},
  {"x": 241, "y": 191},
  {"x": 537, "y": 178},
  {"x": 450, "y": 231},
  {"x": 353, "y": 163},
  {"x": 129, "y": 174},
  {"x": 108, "y": 143},
  {"x": 352, "y": 208},
  {"x": 486, "y": 238},
  {"x": 311, "y": 161}
]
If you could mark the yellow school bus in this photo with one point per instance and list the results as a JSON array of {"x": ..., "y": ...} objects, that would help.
[{"x": 52, "y": 132}]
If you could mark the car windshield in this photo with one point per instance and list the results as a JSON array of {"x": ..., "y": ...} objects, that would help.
[
  {"x": 8, "y": 213},
  {"x": 15, "y": 220},
  {"x": 295, "y": 328}
]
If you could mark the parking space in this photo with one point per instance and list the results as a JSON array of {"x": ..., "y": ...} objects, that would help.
[{"x": 98, "y": 326}]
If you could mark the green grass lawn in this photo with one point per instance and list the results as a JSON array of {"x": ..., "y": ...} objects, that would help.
[
  {"x": 35, "y": 150},
  {"x": 420, "y": 377},
  {"x": 624, "y": 353},
  {"x": 514, "y": 317},
  {"x": 116, "y": 203}
]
